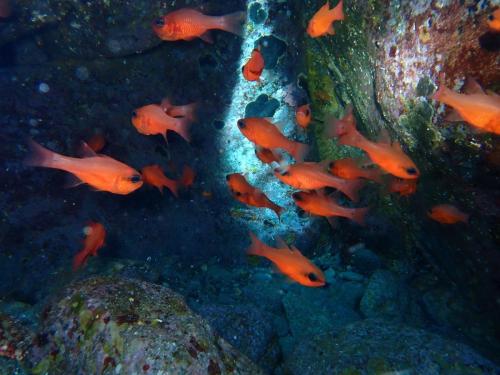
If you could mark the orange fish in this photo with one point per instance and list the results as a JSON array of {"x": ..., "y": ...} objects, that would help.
[
  {"x": 349, "y": 169},
  {"x": 154, "y": 176},
  {"x": 152, "y": 119},
  {"x": 267, "y": 156},
  {"x": 97, "y": 142},
  {"x": 388, "y": 156},
  {"x": 312, "y": 176},
  {"x": 99, "y": 171},
  {"x": 289, "y": 261},
  {"x": 94, "y": 240},
  {"x": 303, "y": 115},
  {"x": 188, "y": 24},
  {"x": 318, "y": 203},
  {"x": 403, "y": 187},
  {"x": 254, "y": 66},
  {"x": 322, "y": 21},
  {"x": 474, "y": 106},
  {"x": 494, "y": 21},
  {"x": 447, "y": 214},
  {"x": 250, "y": 195},
  {"x": 187, "y": 111},
  {"x": 267, "y": 135}
]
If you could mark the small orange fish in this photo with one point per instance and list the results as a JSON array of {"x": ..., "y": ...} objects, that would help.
[
  {"x": 188, "y": 24},
  {"x": 268, "y": 156},
  {"x": 403, "y": 187},
  {"x": 97, "y": 142},
  {"x": 99, "y": 171},
  {"x": 290, "y": 262},
  {"x": 187, "y": 111},
  {"x": 303, "y": 115},
  {"x": 267, "y": 135},
  {"x": 386, "y": 154},
  {"x": 245, "y": 193},
  {"x": 322, "y": 21},
  {"x": 313, "y": 176},
  {"x": 154, "y": 176},
  {"x": 94, "y": 240},
  {"x": 349, "y": 169},
  {"x": 318, "y": 203},
  {"x": 447, "y": 214},
  {"x": 152, "y": 119},
  {"x": 494, "y": 21},
  {"x": 474, "y": 106},
  {"x": 253, "y": 68}
]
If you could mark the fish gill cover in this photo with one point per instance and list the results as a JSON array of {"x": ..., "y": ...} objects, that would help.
[{"x": 303, "y": 187}]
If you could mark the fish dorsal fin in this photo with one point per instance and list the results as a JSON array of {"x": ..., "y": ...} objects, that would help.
[
  {"x": 280, "y": 242},
  {"x": 453, "y": 116},
  {"x": 472, "y": 87},
  {"x": 295, "y": 250},
  {"x": 86, "y": 151},
  {"x": 397, "y": 146},
  {"x": 207, "y": 37},
  {"x": 72, "y": 181},
  {"x": 325, "y": 8},
  {"x": 384, "y": 137}
]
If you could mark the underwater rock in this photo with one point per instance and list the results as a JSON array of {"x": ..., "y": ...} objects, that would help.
[
  {"x": 376, "y": 347},
  {"x": 112, "y": 325},
  {"x": 363, "y": 260},
  {"x": 263, "y": 106}
]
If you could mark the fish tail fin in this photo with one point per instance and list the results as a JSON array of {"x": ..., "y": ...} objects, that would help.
[
  {"x": 256, "y": 247},
  {"x": 40, "y": 156},
  {"x": 335, "y": 127},
  {"x": 189, "y": 111},
  {"x": 233, "y": 22},
  {"x": 359, "y": 214},
  {"x": 172, "y": 185},
  {"x": 183, "y": 126},
  {"x": 337, "y": 13},
  {"x": 299, "y": 151},
  {"x": 166, "y": 104},
  {"x": 80, "y": 259},
  {"x": 376, "y": 175},
  {"x": 351, "y": 188}
]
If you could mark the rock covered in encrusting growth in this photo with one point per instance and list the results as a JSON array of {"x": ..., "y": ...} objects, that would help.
[
  {"x": 121, "y": 326},
  {"x": 375, "y": 347}
]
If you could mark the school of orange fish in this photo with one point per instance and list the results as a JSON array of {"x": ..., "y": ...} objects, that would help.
[{"x": 386, "y": 161}]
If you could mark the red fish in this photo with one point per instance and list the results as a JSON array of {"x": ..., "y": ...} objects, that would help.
[
  {"x": 349, "y": 169},
  {"x": 187, "y": 111},
  {"x": 289, "y": 261},
  {"x": 97, "y": 142},
  {"x": 154, "y": 176},
  {"x": 403, "y": 187},
  {"x": 265, "y": 134},
  {"x": 99, "y": 171},
  {"x": 447, "y": 214},
  {"x": 318, "y": 203},
  {"x": 494, "y": 21},
  {"x": 268, "y": 156},
  {"x": 312, "y": 176},
  {"x": 94, "y": 240},
  {"x": 303, "y": 115},
  {"x": 250, "y": 195},
  {"x": 388, "y": 156},
  {"x": 322, "y": 21},
  {"x": 188, "y": 24},
  {"x": 152, "y": 119},
  {"x": 474, "y": 106},
  {"x": 253, "y": 68}
]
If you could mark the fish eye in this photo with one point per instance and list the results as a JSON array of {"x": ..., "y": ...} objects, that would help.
[
  {"x": 411, "y": 171},
  {"x": 285, "y": 173},
  {"x": 160, "y": 21},
  {"x": 312, "y": 276},
  {"x": 241, "y": 123},
  {"x": 307, "y": 112},
  {"x": 491, "y": 17},
  {"x": 243, "y": 69},
  {"x": 297, "y": 196},
  {"x": 331, "y": 165},
  {"x": 237, "y": 193},
  {"x": 134, "y": 114},
  {"x": 135, "y": 178},
  {"x": 228, "y": 177}
]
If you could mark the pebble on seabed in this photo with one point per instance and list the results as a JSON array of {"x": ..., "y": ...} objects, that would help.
[{"x": 43, "y": 88}]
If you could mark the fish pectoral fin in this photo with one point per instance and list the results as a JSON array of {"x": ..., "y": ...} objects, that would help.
[
  {"x": 384, "y": 137},
  {"x": 472, "y": 87},
  {"x": 332, "y": 220},
  {"x": 397, "y": 146},
  {"x": 331, "y": 30},
  {"x": 72, "y": 181},
  {"x": 86, "y": 151},
  {"x": 453, "y": 116},
  {"x": 207, "y": 37},
  {"x": 281, "y": 243}
]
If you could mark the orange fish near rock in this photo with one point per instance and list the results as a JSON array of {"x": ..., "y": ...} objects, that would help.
[
  {"x": 188, "y": 24},
  {"x": 253, "y": 68},
  {"x": 386, "y": 154},
  {"x": 154, "y": 176},
  {"x": 313, "y": 176},
  {"x": 322, "y": 21},
  {"x": 268, "y": 156},
  {"x": 447, "y": 214},
  {"x": 303, "y": 115},
  {"x": 475, "y": 107},
  {"x": 250, "y": 195},
  {"x": 403, "y": 187},
  {"x": 94, "y": 240},
  {"x": 349, "y": 169},
  {"x": 99, "y": 171},
  {"x": 290, "y": 262},
  {"x": 152, "y": 119},
  {"x": 494, "y": 21},
  {"x": 318, "y": 203},
  {"x": 267, "y": 135}
]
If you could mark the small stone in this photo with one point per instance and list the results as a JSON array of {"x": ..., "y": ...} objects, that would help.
[
  {"x": 82, "y": 73},
  {"x": 43, "y": 88}
]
